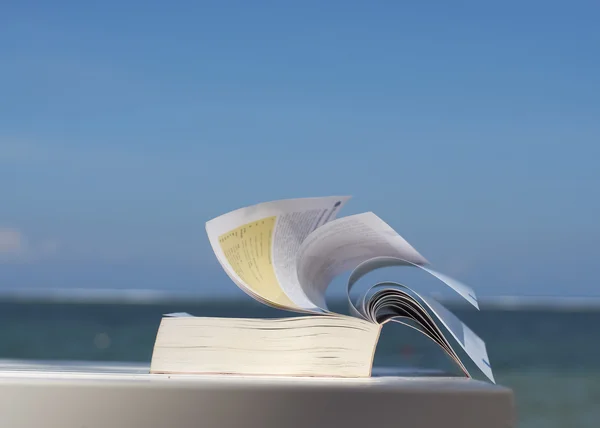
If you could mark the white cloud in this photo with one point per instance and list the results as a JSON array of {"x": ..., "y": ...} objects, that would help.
[
  {"x": 16, "y": 248},
  {"x": 12, "y": 241}
]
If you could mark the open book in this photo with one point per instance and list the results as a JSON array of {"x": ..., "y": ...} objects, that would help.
[{"x": 285, "y": 254}]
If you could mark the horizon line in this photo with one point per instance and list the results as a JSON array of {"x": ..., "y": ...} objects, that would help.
[{"x": 156, "y": 296}]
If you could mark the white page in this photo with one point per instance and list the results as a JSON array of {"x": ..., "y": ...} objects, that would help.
[
  {"x": 380, "y": 262},
  {"x": 258, "y": 245},
  {"x": 472, "y": 344},
  {"x": 344, "y": 244}
]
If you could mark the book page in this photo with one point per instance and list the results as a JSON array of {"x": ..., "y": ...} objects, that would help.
[
  {"x": 472, "y": 344},
  {"x": 257, "y": 246},
  {"x": 379, "y": 262},
  {"x": 344, "y": 244},
  {"x": 392, "y": 301}
]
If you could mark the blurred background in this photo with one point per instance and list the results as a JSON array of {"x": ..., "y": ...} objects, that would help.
[{"x": 471, "y": 128}]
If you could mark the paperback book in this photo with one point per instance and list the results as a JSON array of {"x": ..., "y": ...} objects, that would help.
[{"x": 286, "y": 254}]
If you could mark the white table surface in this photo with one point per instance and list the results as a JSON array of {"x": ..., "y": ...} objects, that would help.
[{"x": 83, "y": 394}]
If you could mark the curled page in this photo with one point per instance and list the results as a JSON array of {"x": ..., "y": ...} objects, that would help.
[
  {"x": 472, "y": 344},
  {"x": 257, "y": 246},
  {"x": 379, "y": 262},
  {"x": 391, "y": 302},
  {"x": 342, "y": 245},
  {"x": 362, "y": 242}
]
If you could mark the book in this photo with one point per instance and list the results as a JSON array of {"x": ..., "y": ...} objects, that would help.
[{"x": 286, "y": 254}]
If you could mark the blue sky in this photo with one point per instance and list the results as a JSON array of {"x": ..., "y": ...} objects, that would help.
[{"x": 471, "y": 128}]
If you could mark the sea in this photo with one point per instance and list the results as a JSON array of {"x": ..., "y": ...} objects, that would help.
[{"x": 548, "y": 354}]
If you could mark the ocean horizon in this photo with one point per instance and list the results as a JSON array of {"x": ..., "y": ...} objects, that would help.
[{"x": 157, "y": 296}]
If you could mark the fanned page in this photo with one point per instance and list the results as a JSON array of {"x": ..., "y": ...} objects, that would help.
[
  {"x": 257, "y": 246},
  {"x": 286, "y": 253},
  {"x": 391, "y": 301},
  {"x": 346, "y": 243},
  {"x": 472, "y": 344}
]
